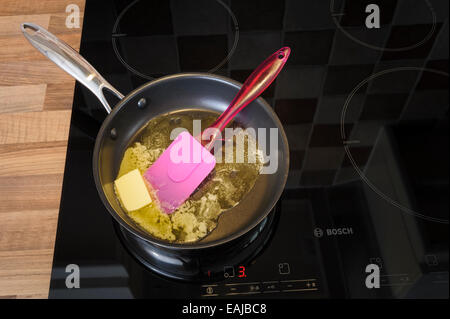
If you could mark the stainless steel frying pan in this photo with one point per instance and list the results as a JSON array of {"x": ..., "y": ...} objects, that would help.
[{"x": 184, "y": 91}]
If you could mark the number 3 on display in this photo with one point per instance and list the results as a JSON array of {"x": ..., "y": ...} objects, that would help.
[{"x": 242, "y": 272}]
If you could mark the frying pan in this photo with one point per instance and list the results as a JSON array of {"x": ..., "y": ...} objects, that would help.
[{"x": 168, "y": 94}]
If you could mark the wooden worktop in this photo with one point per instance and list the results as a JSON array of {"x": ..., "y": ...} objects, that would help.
[{"x": 35, "y": 107}]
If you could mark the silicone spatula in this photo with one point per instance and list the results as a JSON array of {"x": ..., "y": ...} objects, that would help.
[{"x": 186, "y": 162}]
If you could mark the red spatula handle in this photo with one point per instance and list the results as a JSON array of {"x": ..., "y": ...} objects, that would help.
[{"x": 254, "y": 86}]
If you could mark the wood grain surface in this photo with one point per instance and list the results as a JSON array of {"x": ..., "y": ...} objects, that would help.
[{"x": 35, "y": 108}]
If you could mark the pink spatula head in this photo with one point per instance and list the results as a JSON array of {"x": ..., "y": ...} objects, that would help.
[
  {"x": 174, "y": 178},
  {"x": 186, "y": 163}
]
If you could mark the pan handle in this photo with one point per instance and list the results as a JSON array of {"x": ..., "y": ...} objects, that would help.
[{"x": 69, "y": 60}]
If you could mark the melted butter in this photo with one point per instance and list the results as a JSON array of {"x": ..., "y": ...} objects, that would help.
[{"x": 223, "y": 189}]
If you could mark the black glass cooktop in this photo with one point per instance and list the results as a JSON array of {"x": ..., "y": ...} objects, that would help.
[{"x": 365, "y": 110}]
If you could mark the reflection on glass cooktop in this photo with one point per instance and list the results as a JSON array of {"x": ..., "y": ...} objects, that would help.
[{"x": 366, "y": 114}]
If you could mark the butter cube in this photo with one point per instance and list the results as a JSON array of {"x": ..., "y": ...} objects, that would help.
[{"x": 132, "y": 190}]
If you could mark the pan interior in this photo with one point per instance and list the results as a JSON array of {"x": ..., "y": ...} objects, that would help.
[{"x": 196, "y": 93}]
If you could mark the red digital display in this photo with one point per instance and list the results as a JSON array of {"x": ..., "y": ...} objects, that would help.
[{"x": 242, "y": 272}]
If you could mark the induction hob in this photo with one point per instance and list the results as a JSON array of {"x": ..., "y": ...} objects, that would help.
[{"x": 366, "y": 114}]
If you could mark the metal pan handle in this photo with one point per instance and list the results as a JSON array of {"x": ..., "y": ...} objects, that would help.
[{"x": 69, "y": 60}]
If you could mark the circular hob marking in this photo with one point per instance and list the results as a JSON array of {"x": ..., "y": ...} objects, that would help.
[
  {"x": 347, "y": 143},
  {"x": 148, "y": 77},
  {"x": 335, "y": 16}
]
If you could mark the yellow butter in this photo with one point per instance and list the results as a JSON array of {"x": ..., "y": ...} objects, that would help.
[{"x": 132, "y": 190}]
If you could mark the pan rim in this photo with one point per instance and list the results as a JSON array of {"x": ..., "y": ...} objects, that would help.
[{"x": 152, "y": 239}]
